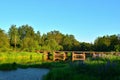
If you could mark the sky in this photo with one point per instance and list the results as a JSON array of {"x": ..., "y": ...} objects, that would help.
[{"x": 85, "y": 19}]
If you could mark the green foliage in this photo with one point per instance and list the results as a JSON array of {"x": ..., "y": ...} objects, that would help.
[
  {"x": 52, "y": 45},
  {"x": 29, "y": 41},
  {"x": 4, "y": 41},
  {"x": 117, "y": 48},
  {"x": 24, "y": 38},
  {"x": 13, "y": 35},
  {"x": 86, "y": 46},
  {"x": 70, "y": 43},
  {"x": 106, "y": 43},
  {"x": 56, "y": 35}
]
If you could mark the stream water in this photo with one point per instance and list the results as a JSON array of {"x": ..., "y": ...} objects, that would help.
[{"x": 23, "y": 74}]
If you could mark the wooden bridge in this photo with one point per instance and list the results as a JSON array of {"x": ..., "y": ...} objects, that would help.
[{"x": 74, "y": 55}]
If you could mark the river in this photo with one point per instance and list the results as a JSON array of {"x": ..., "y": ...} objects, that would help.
[{"x": 23, "y": 74}]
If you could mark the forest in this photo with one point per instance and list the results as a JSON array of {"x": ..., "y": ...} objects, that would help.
[{"x": 24, "y": 38}]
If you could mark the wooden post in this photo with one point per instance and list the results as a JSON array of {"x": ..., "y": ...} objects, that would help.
[
  {"x": 64, "y": 56},
  {"x": 72, "y": 56},
  {"x": 94, "y": 55},
  {"x": 54, "y": 56},
  {"x": 102, "y": 54},
  {"x": 45, "y": 55},
  {"x": 84, "y": 56}
]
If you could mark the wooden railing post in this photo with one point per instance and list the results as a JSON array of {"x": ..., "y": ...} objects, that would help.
[
  {"x": 64, "y": 56},
  {"x": 54, "y": 56},
  {"x": 94, "y": 55},
  {"x": 45, "y": 54},
  {"x": 72, "y": 56},
  {"x": 84, "y": 56}
]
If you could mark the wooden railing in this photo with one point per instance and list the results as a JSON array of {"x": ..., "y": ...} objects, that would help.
[
  {"x": 59, "y": 56},
  {"x": 78, "y": 56},
  {"x": 75, "y": 55}
]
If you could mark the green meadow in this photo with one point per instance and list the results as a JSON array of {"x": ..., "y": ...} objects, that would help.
[
  {"x": 20, "y": 57},
  {"x": 13, "y": 60}
]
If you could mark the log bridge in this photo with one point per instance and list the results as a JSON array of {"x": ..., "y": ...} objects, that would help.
[{"x": 75, "y": 55}]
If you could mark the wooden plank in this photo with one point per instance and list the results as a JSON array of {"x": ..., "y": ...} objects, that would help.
[
  {"x": 76, "y": 56},
  {"x": 59, "y": 56}
]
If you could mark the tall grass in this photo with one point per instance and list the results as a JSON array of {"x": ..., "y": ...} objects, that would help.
[
  {"x": 20, "y": 57},
  {"x": 12, "y": 60},
  {"x": 104, "y": 68}
]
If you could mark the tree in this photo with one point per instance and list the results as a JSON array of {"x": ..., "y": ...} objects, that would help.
[
  {"x": 27, "y": 38},
  {"x": 117, "y": 48},
  {"x": 86, "y": 46},
  {"x": 107, "y": 43},
  {"x": 38, "y": 38},
  {"x": 70, "y": 43},
  {"x": 4, "y": 41},
  {"x": 114, "y": 41},
  {"x": 13, "y": 35},
  {"x": 52, "y": 40},
  {"x": 26, "y": 31},
  {"x": 102, "y": 43},
  {"x": 56, "y": 35},
  {"x": 51, "y": 45}
]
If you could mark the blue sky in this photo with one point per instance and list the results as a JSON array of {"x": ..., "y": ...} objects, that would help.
[{"x": 85, "y": 19}]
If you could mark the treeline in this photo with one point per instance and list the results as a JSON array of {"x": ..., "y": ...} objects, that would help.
[{"x": 24, "y": 38}]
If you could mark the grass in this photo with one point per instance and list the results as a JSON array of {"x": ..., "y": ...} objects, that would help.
[
  {"x": 13, "y": 60},
  {"x": 104, "y": 68},
  {"x": 20, "y": 57}
]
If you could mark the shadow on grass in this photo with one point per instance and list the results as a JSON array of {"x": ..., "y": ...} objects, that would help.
[
  {"x": 14, "y": 66},
  {"x": 8, "y": 66}
]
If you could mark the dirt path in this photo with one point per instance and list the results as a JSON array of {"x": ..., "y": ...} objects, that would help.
[{"x": 23, "y": 74}]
